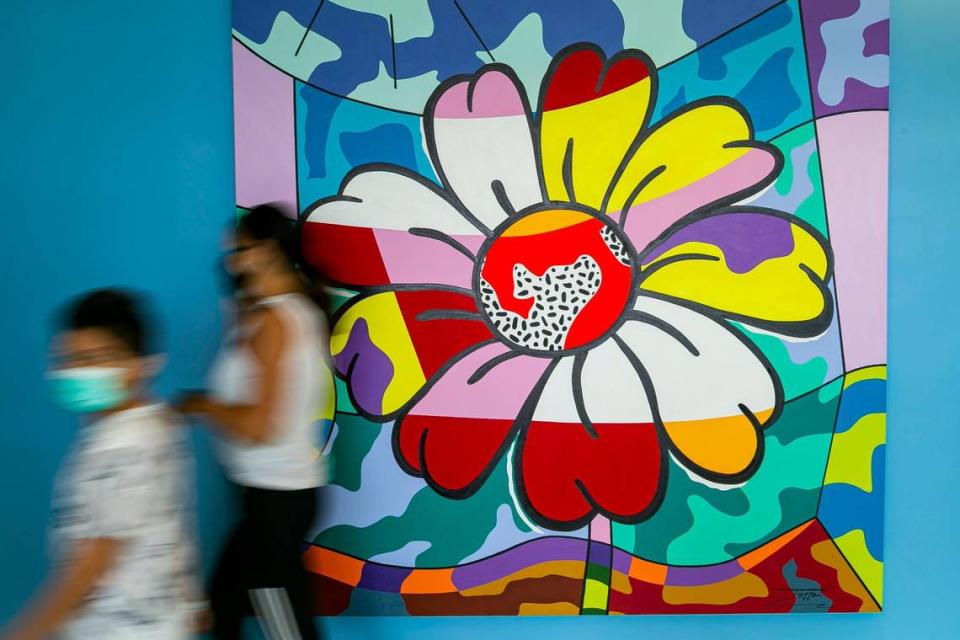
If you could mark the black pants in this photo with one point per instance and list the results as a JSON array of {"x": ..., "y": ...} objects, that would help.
[{"x": 261, "y": 570}]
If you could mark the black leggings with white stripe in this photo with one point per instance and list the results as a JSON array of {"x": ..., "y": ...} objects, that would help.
[{"x": 261, "y": 570}]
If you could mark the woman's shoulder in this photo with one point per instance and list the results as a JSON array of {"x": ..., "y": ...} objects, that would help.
[
  {"x": 262, "y": 321},
  {"x": 300, "y": 309},
  {"x": 275, "y": 320}
]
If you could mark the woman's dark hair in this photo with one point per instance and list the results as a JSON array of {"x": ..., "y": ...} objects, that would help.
[
  {"x": 120, "y": 313},
  {"x": 268, "y": 222}
]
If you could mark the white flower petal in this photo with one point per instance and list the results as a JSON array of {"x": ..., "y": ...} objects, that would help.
[
  {"x": 556, "y": 401},
  {"x": 611, "y": 388},
  {"x": 387, "y": 197},
  {"x": 478, "y": 134},
  {"x": 712, "y": 389},
  {"x": 389, "y": 226}
]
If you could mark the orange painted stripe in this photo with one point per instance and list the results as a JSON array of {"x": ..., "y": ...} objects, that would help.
[
  {"x": 721, "y": 444},
  {"x": 750, "y": 560},
  {"x": 429, "y": 581},
  {"x": 545, "y": 221},
  {"x": 649, "y": 572},
  {"x": 331, "y": 564}
]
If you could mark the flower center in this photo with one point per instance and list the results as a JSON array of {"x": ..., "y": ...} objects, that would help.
[{"x": 555, "y": 279}]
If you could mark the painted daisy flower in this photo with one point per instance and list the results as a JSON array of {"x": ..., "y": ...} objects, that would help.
[{"x": 564, "y": 295}]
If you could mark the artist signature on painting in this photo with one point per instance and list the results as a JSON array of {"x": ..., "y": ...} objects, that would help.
[{"x": 802, "y": 599}]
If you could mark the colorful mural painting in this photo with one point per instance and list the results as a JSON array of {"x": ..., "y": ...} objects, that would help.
[{"x": 611, "y": 285}]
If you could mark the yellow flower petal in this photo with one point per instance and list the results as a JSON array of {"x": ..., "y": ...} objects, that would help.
[
  {"x": 591, "y": 110},
  {"x": 387, "y": 334},
  {"x": 781, "y": 286},
  {"x": 695, "y": 158},
  {"x": 328, "y": 409}
]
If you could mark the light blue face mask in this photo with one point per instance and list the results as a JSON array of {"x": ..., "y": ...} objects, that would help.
[{"x": 88, "y": 389}]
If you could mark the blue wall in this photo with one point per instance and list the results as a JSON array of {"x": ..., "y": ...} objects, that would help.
[{"x": 116, "y": 167}]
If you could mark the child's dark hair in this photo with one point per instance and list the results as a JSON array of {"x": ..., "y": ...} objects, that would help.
[
  {"x": 267, "y": 222},
  {"x": 121, "y": 313}
]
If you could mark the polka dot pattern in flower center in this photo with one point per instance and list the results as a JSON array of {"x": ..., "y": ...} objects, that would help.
[
  {"x": 555, "y": 279},
  {"x": 616, "y": 245},
  {"x": 558, "y": 296}
]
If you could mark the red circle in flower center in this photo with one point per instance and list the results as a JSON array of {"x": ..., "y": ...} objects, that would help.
[{"x": 556, "y": 279}]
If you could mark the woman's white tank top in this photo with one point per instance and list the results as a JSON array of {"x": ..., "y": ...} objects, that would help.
[{"x": 291, "y": 459}]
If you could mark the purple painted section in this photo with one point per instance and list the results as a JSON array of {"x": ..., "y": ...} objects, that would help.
[
  {"x": 506, "y": 534},
  {"x": 877, "y": 39},
  {"x": 854, "y": 151},
  {"x": 599, "y": 554},
  {"x": 527, "y": 555},
  {"x": 694, "y": 576},
  {"x": 746, "y": 239},
  {"x": 378, "y": 577},
  {"x": 263, "y": 132},
  {"x": 372, "y": 371},
  {"x": 621, "y": 561},
  {"x": 856, "y": 93}
]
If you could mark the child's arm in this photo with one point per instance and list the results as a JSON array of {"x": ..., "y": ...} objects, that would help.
[
  {"x": 190, "y": 581},
  {"x": 88, "y": 561},
  {"x": 192, "y": 593},
  {"x": 191, "y": 584}
]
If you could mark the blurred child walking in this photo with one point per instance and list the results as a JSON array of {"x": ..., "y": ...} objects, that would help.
[{"x": 121, "y": 529}]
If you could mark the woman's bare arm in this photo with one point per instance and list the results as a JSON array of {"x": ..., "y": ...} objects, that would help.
[{"x": 254, "y": 421}]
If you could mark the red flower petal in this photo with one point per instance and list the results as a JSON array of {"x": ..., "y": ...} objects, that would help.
[
  {"x": 438, "y": 340},
  {"x": 454, "y": 435},
  {"x": 363, "y": 256},
  {"x": 452, "y": 452},
  {"x": 574, "y": 80},
  {"x": 566, "y": 474}
]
